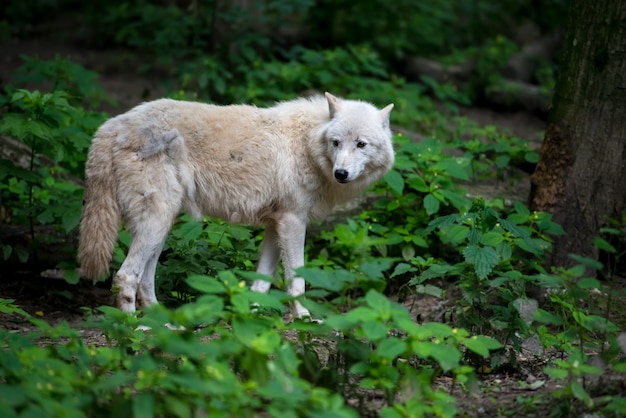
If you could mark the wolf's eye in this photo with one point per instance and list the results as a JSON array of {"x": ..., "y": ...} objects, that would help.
[
  {"x": 335, "y": 143},
  {"x": 361, "y": 144}
]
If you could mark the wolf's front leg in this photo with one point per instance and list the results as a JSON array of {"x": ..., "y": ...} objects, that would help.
[
  {"x": 268, "y": 260},
  {"x": 291, "y": 231}
]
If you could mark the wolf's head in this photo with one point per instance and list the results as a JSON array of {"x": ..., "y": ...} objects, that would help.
[{"x": 358, "y": 140}]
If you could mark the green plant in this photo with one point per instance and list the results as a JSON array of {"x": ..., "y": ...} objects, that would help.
[
  {"x": 261, "y": 80},
  {"x": 206, "y": 247},
  {"x": 229, "y": 359},
  {"x": 494, "y": 270},
  {"x": 386, "y": 350},
  {"x": 41, "y": 192},
  {"x": 576, "y": 324},
  {"x": 488, "y": 59},
  {"x": 79, "y": 85},
  {"x": 495, "y": 154}
]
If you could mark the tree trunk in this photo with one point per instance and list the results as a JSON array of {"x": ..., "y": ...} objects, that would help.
[{"x": 581, "y": 174}]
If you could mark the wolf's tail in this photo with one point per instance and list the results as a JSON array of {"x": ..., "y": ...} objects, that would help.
[{"x": 101, "y": 211}]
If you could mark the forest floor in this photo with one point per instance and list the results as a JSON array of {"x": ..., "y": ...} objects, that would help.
[{"x": 506, "y": 393}]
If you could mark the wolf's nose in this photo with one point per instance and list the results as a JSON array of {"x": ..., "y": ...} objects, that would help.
[{"x": 341, "y": 174}]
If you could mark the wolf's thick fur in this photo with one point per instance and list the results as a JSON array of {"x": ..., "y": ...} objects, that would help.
[{"x": 279, "y": 167}]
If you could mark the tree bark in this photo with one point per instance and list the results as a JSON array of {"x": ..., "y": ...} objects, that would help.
[{"x": 581, "y": 173}]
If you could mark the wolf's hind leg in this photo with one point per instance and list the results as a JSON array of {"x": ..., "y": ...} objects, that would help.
[
  {"x": 146, "y": 294},
  {"x": 268, "y": 260},
  {"x": 140, "y": 263},
  {"x": 149, "y": 225}
]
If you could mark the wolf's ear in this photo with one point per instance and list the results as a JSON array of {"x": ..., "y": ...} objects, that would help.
[
  {"x": 384, "y": 114},
  {"x": 333, "y": 104}
]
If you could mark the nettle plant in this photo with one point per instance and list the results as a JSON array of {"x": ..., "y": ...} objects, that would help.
[
  {"x": 237, "y": 356},
  {"x": 576, "y": 320},
  {"x": 41, "y": 186},
  {"x": 38, "y": 189},
  {"x": 496, "y": 256},
  {"x": 196, "y": 247}
]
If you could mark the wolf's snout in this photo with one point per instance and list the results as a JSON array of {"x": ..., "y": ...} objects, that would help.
[{"x": 341, "y": 175}]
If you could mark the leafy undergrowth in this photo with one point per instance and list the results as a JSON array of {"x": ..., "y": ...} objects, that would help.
[{"x": 375, "y": 359}]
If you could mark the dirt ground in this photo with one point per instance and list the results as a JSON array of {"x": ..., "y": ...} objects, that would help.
[{"x": 505, "y": 393}]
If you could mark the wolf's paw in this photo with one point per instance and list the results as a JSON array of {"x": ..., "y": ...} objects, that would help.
[
  {"x": 309, "y": 318},
  {"x": 302, "y": 313},
  {"x": 175, "y": 327},
  {"x": 167, "y": 325}
]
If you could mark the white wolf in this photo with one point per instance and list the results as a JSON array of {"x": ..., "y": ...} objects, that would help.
[{"x": 279, "y": 167}]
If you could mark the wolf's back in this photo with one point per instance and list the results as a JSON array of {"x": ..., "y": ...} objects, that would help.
[{"x": 101, "y": 212}]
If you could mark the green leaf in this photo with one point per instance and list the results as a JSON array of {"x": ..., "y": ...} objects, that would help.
[
  {"x": 491, "y": 239},
  {"x": 431, "y": 204},
  {"x": 321, "y": 279},
  {"x": 502, "y": 161},
  {"x": 474, "y": 236},
  {"x": 620, "y": 367},
  {"x": 604, "y": 245},
  {"x": 374, "y": 330},
  {"x": 430, "y": 330},
  {"x": 594, "y": 322},
  {"x": 400, "y": 269},
  {"x": 266, "y": 300},
  {"x": 143, "y": 405},
  {"x": 177, "y": 407},
  {"x": 521, "y": 209},
  {"x": 556, "y": 373},
  {"x": 395, "y": 181},
  {"x": 448, "y": 357},
  {"x": 530, "y": 245},
  {"x": 587, "y": 262},
  {"x": 391, "y": 348},
  {"x": 439, "y": 270},
  {"x": 548, "y": 226},
  {"x": 71, "y": 217},
  {"x": 7, "y": 250},
  {"x": 205, "y": 284},
  {"x": 456, "y": 198},
  {"x": 344, "y": 234},
  {"x": 532, "y": 157},
  {"x": 374, "y": 269},
  {"x": 390, "y": 412},
  {"x": 71, "y": 276},
  {"x": 454, "y": 234},
  {"x": 417, "y": 183},
  {"x": 379, "y": 303},
  {"x": 505, "y": 250},
  {"x": 515, "y": 230},
  {"x": 580, "y": 393},
  {"x": 481, "y": 345},
  {"x": 191, "y": 230},
  {"x": 457, "y": 167},
  {"x": 429, "y": 289},
  {"x": 484, "y": 259},
  {"x": 360, "y": 314},
  {"x": 240, "y": 304},
  {"x": 341, "y": 322},
  {"x": 11, "y": 395},
  {"x": 442, "y": 221},
  {"x": 266, "y": 343},
  {"x": 589, "y": 283},
  {"x": 516, "y": 219}
]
